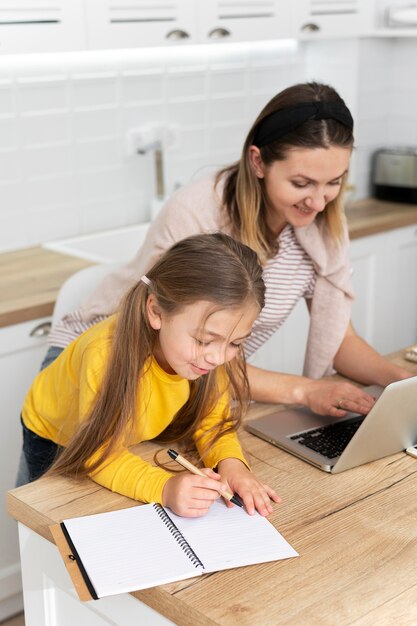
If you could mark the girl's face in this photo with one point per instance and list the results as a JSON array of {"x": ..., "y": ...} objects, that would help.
[
  {"x": 197, "y": 339},
  {"x": 300, "y": 187}
]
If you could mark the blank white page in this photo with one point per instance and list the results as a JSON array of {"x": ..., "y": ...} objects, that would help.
[
  {"x": 128, "y": 549},
  {"x": 226, "y": 538}
]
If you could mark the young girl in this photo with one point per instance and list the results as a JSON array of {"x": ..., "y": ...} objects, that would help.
[{"x": 165, "y": 367}]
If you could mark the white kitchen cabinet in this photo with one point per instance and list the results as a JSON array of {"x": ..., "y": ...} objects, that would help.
[
  {"x": 22, "y": 348},
  {"x": 41, "y": 26},
  {"x": 118, "y": 24},
  {"x": 385, "y": 281},
  {"x": 393, "y": 18},
  {"x": 284, "y": 351},
  {"x": 243, "y": 20},
  {"x": 318, "y": 19}
]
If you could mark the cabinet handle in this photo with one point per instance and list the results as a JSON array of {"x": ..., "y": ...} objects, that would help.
[
  {"x": 310, "y": 27},
  {"x": 177, "y": 34},
  {"x": 42, "y": 330},
  {"x": 219, "y": 33}
]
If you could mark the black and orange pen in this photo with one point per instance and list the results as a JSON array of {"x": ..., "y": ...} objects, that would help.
[{"x": 195, "y": 470}]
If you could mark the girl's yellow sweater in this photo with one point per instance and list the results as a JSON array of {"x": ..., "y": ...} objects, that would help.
[{"x": 62, "y": 394}]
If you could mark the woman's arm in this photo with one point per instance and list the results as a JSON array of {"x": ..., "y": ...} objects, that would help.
[
  {"x": 357, "y": 360},
  {"x": 323, "y": 396}
]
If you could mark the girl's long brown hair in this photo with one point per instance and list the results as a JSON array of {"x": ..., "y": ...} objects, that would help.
[
  {"x": 214, "y": 268},
  {"x": 243, "y": 195}
]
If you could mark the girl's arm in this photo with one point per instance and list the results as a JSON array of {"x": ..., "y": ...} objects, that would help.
[
  {"x": 186, "y": 494},
  {"x": 226, "y": 455},
  {"x": 130, "y": 475}
]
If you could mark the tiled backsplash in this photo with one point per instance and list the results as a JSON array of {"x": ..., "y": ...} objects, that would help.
[
  {"x": 387, "y": 101},
  {"x": 64, "y": 168}
]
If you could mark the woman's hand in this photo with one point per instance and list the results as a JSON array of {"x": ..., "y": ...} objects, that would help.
[
  {"x": 336, "y": 398},
  {"x": 256, "y": 496},
  {"x": 190, "y": 495}
]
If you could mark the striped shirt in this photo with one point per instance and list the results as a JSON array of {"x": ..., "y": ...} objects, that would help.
[{"x": 288, "y": 276}]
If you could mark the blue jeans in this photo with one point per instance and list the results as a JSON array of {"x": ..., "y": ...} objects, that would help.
[{"x": 37, "y": 453}]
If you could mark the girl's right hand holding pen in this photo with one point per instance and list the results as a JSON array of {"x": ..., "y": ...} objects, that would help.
[{"x": 190, "y": 495}]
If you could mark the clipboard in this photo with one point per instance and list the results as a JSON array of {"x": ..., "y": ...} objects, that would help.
[{"x": 73, "y": 563}]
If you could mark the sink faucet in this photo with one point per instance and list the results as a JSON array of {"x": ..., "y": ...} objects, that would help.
[{"x": 156, "y": 148}]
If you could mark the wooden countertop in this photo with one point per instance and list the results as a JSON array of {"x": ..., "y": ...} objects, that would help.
[
  {"x": 30, "y": 278},
  {"x": 371, "y": 216},
  {"x": 355, "y": 533}
]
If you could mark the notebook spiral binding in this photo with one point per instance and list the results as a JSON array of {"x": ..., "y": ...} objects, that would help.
[{"x": 178, "y": 536}]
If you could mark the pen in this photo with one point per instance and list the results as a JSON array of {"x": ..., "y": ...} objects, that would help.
[{"x": 194, "y": 470}]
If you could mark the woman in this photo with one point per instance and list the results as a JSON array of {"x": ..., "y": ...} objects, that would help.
[{"x": 283, "y": 198}]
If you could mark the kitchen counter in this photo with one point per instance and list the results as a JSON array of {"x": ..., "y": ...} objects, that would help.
[
  {"x": 30, "y": 278},
  {"x": 371, "y": 216},
  {"x": 355, "y": 532}
]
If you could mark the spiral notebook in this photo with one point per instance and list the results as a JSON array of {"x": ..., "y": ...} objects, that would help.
[{"x": 148, "y": 545}]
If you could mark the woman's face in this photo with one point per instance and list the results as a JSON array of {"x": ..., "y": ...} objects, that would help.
[{"x": 298, "y": 188}]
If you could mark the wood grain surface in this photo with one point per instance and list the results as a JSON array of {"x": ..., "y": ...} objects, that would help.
[
  {"x": 30, "y": 280},
  {"x": 356, "y": 533},
  {"x": 370, "y": 216}
]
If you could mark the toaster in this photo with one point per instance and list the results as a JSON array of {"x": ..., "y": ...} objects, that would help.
[{"x": 394, "y": 174}]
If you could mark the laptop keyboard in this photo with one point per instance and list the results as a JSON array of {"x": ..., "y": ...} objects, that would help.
[{"x": 331, "y": 440}]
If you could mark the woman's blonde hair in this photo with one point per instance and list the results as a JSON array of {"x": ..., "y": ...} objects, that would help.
[
  {"x": 209, "y": 267},
  {"x": 244, "y": 197}
]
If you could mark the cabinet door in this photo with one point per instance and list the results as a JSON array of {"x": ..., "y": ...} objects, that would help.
[
  {"x": 120, "y": 24},
  {"x": 396, "y": 297},
  {"x": 364, "y": 255},
  {"x": 22, "y": 348},
  {"x": 41, "y": 26},
  {"x": 243, "y": 20},
  {"x": 315, "y": 19},
  {"x": 385, "y": 281}
]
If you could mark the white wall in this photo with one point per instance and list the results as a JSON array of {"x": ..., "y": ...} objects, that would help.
[
  {"x": 387, "y": 103},
  {"x": 64, "y": 170},
  {"x": 63, "y": 122}
]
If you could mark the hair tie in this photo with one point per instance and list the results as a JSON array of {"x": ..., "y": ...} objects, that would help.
[
  {"x": 146, "y": 280},
  {"x": 284, "y": 121}
]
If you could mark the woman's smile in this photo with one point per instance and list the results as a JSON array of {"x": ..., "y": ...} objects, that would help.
[{"x": 300, "y": 186}]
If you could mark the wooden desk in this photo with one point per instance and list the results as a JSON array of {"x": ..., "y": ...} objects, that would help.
[{"x": 356, "y": 533}]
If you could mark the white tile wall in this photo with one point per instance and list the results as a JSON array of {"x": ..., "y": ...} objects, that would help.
[
  {"x": 387, "y": 102},
  {"x": 336, "y": 62},
  {"x": 63, "y": 121}
]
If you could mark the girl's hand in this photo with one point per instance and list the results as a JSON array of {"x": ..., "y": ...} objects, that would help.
[
  {"x": 190, "y": 495},
  {"x": 256, "y": 496}
]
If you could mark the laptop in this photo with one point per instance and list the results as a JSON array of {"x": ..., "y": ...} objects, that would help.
[{"x": 335, "y": 445}]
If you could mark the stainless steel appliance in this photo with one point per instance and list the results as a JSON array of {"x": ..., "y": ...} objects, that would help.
[{"x": 394, "y": 174}]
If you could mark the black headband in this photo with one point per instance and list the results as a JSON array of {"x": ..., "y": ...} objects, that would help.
[{"x": 283, "y": 121}]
